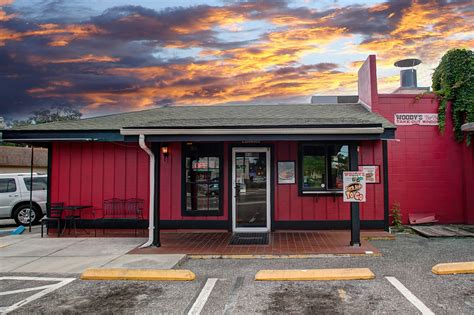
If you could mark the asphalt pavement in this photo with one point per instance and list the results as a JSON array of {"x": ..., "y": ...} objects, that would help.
[{"x": 231, "y": 288}]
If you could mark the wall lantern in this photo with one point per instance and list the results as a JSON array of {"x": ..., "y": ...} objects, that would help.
[{"x": 165, "y": 151}]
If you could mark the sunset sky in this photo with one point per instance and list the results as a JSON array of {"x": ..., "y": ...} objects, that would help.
[{"x": 118, "y": 55}]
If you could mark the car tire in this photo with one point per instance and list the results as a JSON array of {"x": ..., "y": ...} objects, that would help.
[{"x": 20, "y": 215}]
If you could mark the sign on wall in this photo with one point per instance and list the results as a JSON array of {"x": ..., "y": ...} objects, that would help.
[
  {"x": 406, "y": 119},
  {"x": 372, "y": 173},
  {"x": 286, "y": 172},
  {"x": 354, "y": 186}
]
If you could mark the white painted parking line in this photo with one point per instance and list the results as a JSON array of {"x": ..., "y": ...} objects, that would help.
[
  {"x": 202, "y": 297},
  {"x": 45, "y": 289},
  {"x": 410, "y": 296},
  {"x": 26, "y": 290}
]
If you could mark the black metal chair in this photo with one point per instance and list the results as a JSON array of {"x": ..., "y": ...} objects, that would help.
[
  {"x": 55, "y": 211},
  {"x": 70, "y": 220},
  {"x": 134, "y": 209}
]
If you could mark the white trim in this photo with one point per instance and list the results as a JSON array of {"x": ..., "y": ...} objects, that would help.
[
  {"x": 151, "y": 211},
  {"x": 268, "y": 187},
  {"x": 253, "y": 131}
]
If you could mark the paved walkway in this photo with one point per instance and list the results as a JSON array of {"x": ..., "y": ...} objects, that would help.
[
  {"x": 31, "y": 253},
  {"x": 281, "y": 243}
]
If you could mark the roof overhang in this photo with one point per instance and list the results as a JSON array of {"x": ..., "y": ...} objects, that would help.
[
  {"x": 130, "y": 134},
  {"x": 251, "y": 131},
  {"x": 44, "y": 136}
]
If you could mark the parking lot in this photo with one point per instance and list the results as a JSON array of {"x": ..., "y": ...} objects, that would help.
[{"x": 228, "y": 286}]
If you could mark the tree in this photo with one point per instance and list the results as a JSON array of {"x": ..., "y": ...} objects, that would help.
[
  {"x": 453, "y": 81},
  {"x": 49, "y": 115}
]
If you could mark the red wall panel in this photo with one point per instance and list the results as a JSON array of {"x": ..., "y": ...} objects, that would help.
[
  {"x": 426, "y": 168},
  {"x": 88, "y": 173},
  {"x": 289, "y": 206}
]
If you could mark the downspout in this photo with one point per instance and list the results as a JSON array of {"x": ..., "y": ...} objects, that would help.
[{"x": 151, "y": 219}]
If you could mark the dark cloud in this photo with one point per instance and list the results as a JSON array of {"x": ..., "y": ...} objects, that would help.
[{"x": 60, "y": 53}]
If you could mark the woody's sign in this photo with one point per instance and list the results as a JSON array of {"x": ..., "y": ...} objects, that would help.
[{"x": 406, "y": 119}]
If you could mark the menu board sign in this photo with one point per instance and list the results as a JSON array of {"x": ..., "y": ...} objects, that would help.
[
  {"x": 354, "y": 186},
  {"x": 406, "y": 119},
  {"x": 372, "y": 173}
]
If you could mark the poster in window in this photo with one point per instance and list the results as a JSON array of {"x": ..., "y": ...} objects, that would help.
[
  {"x": 372, "y": 173},
  {"x": 354, "y": 186},
  {"x": 286, "y": 172}
]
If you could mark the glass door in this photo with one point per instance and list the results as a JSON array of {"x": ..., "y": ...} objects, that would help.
[{"x": 251, "y": 189}]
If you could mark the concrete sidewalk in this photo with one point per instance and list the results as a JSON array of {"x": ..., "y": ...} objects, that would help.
[{"x": 31, "y": 253}]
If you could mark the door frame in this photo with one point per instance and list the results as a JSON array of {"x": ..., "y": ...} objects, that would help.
[{"x": 268, "y": 151}]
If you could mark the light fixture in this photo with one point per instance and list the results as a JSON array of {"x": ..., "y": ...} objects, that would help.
[{"x": 165, "y": 151}]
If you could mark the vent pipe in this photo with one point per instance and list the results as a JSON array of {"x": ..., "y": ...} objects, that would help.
[{"x": 408, "y": 76}]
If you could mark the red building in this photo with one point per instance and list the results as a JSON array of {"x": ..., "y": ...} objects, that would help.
[{"x": 263, "y": 167}]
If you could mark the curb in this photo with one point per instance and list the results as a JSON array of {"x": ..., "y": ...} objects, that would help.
[
  {"x": 454, "y": 268},
  {"x": 137, "y": 274},
  {"x": 191, "y": 256},
  {"x": 378, "y": 238},
  {"x": 315, "y": 274}
]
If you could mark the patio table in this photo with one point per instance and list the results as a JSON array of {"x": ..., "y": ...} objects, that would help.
[{"x": 72, "y": 212}]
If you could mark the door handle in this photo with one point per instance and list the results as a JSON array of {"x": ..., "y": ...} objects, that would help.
[{"x": 15, "y": 195}]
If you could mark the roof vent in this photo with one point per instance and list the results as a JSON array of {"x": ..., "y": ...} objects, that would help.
[{"x": 408, "y": 76}]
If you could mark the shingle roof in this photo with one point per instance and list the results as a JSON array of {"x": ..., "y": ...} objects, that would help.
[{"x": 226, "y": 116}]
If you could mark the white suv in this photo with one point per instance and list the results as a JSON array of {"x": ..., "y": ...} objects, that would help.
[{"x": 15, "y": 197}]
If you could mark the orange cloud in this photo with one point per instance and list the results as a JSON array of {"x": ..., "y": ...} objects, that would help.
[
  {"x": 5, "y": 17},
  {"x": 379, "y": 7},
  {"x": 53, "y": 86},
  {"x": 60, "y": 36},
  {"x": 424, "y": 31},
  {"x": 214, "y": 16},
  {"x": 281, "y": 48},
  {"x": 86, "y": 58}
]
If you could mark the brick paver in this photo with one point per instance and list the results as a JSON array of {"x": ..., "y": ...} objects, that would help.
[{"x": 281, "y": 243}]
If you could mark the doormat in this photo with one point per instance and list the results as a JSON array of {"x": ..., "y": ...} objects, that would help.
[{"x": 249, "y": 239}]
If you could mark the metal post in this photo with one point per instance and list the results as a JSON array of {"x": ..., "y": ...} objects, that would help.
[
  {"x": 31, "y": 186},
  {"x": 355, "y": 215},
  {"x": 156, "y": 148},
  {"x": 385, "y": 185}
]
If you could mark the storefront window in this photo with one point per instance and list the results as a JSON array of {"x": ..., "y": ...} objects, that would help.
[
  {"x": 314, "y": 167},
  {"x": 321, "y": 166},
  {"x": 202, "y": 179}
]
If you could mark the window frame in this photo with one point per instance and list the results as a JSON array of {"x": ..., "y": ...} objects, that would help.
[
  {"x": 319, "y": 191},
  {"x": 38, "y": 179},
  {"x": 217, "y": 151},
  {"x": 9, "y": 180}
]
